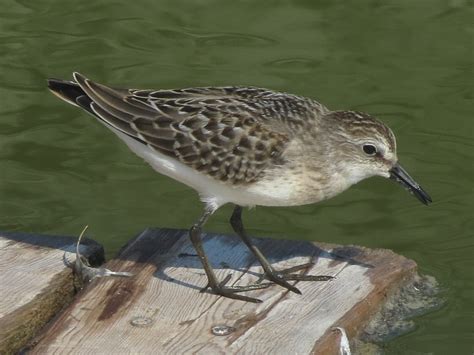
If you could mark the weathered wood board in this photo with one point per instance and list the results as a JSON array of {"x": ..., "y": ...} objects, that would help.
[
  {"x": 35, "y": 284},
  {"x": 160, "y": 310}
]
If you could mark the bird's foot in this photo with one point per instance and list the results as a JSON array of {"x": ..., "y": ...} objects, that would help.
[
  {"x": 281, "y": 277},
  {"x": 232, "y": 291}
]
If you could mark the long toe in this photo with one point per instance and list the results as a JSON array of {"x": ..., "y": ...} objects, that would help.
[
  {"x": 281, "y": 280},
  {"x": 302, "y": 277},
  {"x": 233, "y": 293},
  {"x": 296, "y": 268},
  {"x": 282, "y": 277}
]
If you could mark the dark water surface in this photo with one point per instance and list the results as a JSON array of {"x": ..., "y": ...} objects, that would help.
[{"x": 408, "y": 62}]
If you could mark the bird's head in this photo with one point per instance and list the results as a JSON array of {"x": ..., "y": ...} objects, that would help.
[{"x": 367, "y": 147}]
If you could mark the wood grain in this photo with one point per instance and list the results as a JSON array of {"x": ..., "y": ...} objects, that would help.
[
  {"x": 35, "y": 283},
  {"x": 161, "y": 310}
]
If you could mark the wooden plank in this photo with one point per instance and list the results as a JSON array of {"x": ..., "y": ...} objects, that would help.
[
  {"x": 160, "y": 310},
  {"x": 35, "y": 283}
]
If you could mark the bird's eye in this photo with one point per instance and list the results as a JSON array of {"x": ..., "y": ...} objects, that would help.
[{"x": 369, "y": 149}]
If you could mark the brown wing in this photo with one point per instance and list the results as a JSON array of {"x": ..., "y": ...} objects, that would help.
[{"x": 218, "y": 134}]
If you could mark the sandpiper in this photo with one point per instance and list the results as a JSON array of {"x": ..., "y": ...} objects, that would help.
[{"x": 247, "y": 146}]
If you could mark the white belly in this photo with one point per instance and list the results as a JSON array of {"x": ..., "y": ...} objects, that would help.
[{"x": 212, "y": 192}]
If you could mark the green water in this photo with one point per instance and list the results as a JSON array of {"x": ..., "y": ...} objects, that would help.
[{"x": 408, "y": 62}]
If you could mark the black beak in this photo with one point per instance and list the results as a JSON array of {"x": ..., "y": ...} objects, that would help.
[{"x": 399, "y": 174}]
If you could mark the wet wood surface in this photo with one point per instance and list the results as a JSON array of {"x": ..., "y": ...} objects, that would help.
[
  {"x": 35, "y": 284},
  {"x": 160, "y": 309}
]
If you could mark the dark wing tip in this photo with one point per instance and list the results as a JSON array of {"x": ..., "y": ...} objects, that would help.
[
  {"x": 423, "y": 196},
  {"x": 66, "y": 90},
  {"x": 57, "y": 84}
]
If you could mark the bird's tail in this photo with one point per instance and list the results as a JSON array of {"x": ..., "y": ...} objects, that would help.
[{"x": 70, "y": 92}]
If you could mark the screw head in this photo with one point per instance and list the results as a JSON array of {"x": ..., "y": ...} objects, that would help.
[
  {"x": 222, "y": 330},
  {"x": 141, "y": 322}
]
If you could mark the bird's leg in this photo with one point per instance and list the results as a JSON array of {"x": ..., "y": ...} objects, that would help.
[
  {"x": 278, "y": 277},
  {"x": 216, "y": 286}
]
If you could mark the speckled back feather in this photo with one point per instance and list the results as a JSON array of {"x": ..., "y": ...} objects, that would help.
[{"x": 221, "y": 132}]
